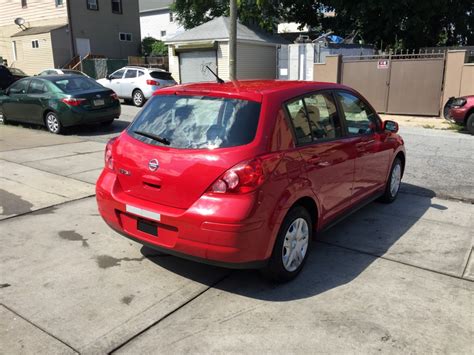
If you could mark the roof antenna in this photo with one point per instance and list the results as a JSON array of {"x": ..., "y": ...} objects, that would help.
[{"x": 219, "y": 80}]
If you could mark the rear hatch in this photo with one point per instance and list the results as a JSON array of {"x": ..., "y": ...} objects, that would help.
[
  {"x": 206, "y": 137},
  {"x": 165, "y": 78}
]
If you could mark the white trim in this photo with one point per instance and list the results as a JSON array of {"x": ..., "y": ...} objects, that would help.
[
  {"x": 14, "y": 50},
  {"x": 143, "y": 213}
]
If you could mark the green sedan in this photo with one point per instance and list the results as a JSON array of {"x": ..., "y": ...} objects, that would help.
[{"x": 59, "y": 101}]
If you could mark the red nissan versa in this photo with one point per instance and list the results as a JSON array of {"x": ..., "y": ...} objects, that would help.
[{"x": 243, "y": 174}]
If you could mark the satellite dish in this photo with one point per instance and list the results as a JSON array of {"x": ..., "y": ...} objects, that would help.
[{"x": 19, "y": 21}]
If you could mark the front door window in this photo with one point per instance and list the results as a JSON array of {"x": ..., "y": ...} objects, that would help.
[{"x": 360, "y": 119}]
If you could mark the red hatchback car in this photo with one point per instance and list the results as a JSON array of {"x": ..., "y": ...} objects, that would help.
[{"x": 243, "y": 174}]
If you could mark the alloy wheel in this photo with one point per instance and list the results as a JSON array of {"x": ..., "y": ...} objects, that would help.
[
  {"x": 138, "y": 98},
  {"x": 295, "y": 244},
  {"x": 395, "y": 179},
  {"x": 52, "y": 122}
]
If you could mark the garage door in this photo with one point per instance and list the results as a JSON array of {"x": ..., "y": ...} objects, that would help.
[{"x": 192, "y": 66}]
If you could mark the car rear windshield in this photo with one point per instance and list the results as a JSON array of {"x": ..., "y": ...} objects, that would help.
[
  {"x": 162, "y": 75},
  {"x": 74, "y": 84},
  {"x": 197, "y": 122}
]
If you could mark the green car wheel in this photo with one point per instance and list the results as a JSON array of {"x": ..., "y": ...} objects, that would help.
[{"x": 53, "y": 124}]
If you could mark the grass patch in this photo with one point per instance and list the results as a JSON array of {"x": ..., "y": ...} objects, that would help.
[
  {"x": 454, "y": 127},
  {"x": 429, "y": 126}
]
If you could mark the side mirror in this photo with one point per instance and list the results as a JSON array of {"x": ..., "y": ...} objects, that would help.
[
  {"x": 390, "y": 126},
  {"x": 108, "y": 77}
]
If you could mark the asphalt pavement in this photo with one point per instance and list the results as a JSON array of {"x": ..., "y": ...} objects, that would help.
[{"x": 390, "y": 278}]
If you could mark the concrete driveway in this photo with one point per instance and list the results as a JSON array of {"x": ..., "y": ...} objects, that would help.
[{"x": 392, "y": 278}]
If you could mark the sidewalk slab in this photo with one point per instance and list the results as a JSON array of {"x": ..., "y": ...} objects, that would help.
[
  {"x": 343, "y": 302},
  {"x": 427, "y": 232},
  {"x": 17, "y": 336},
  {"x": 71, "y": 275},
  {"x": 17, "y": 137},
  {"x": 54, "y": 151},
  {"x": 68, "y": 165},
  {"x": 23, "y": 189}
]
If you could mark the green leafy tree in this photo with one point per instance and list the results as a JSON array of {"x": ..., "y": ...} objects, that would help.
[
  {"x": 385, "y": 23},
  {"x": 152, "y": 46}
]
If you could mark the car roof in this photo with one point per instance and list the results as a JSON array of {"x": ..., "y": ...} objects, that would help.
[
  {"x": 252, "y": 88},
  {"x": 143, "y": 68},
  {"x": 59, "y": 76}
]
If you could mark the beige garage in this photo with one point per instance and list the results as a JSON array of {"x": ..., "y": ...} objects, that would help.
[{"x": 192, "y": 51}]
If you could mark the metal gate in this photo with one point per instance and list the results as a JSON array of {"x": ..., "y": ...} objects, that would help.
[{"x": 400, "y": 84}]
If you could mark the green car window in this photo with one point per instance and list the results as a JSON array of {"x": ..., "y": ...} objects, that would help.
[
  {"x": 74, "y": 84},
  {"x": 37, "y": 87},
  {"x": 19, "y": 87}
]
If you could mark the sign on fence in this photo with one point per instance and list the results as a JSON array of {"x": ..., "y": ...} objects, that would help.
[{"x": 383, "y": 64}]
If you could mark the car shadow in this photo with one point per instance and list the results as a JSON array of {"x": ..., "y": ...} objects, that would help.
[
  {"x": 98, "y": 130},
  {"x": 93, "y": 129},
  {"x": 338, "y": 256}
]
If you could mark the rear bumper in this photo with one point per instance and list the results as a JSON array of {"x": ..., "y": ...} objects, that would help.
[
  {"x": 76, "y": 116},
  {"x": 195, "y": 233}
]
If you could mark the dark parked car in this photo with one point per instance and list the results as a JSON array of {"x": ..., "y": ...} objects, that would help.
[
  {"x": 59, "y": 101},
  {"x": 244, "y": 174},
  {"x": 9, "y": 76},
  {"x": 460, "y": 110}
]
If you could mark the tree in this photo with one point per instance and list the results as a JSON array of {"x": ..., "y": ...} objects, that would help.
[
  {"x": 385, "y": 23},
  {"x": 152, "y": 46}
]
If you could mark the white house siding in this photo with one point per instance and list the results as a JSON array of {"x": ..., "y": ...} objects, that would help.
[
  {"x": 173, "y": 64},
  {"x": 34, "y": 14},
  {"x": 43, "y": 55},
  {"x": 154, "y": 22},
  {"x": 255, "y": 61},
  {"x": 223, "y": 60}
]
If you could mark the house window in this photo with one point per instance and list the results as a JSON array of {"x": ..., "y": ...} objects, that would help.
[
  {"x": 35, "y": 44},
  {"x": 125, "y": 37},
  {"x": 59, "y": 3},
  {"x": 117, "y": 6},
  {"x": 14, "y": 51},
  {"x": 24, "y": 4},
  {"x": 93, "y": 5},
  {"x": 171, "y": 17},
  {"x": 163, "y": 33}
]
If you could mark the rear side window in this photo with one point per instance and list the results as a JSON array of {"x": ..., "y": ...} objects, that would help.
[
  {"x": 360, "y": 119},
  {"x": 37, "y": 87},
  {"x": 74, "y": 84},
  {"x": 299, "y": 120},
  {"x": 322, "y": 114},
  {"x": 198, "y": 122},
  {"x": 162, "y": 75}
]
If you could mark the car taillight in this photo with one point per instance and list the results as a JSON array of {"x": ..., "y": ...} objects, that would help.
[
  {"x": 459, "y": 102},
  {"x": 242, "y": 178},
  {"x": 109, "y": 161},
  {"x": 114, "y": 96},
  {"x": 152, "y": 82},
  {"x": 73, "y": 101}
]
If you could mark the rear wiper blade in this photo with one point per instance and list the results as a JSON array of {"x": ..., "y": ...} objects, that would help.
[{"x": 154, "y": 137}]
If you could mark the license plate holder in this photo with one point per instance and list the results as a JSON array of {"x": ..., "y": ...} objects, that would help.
[
  {"x": 99, "y": 102},
  {"x": 147, "y": 227}
]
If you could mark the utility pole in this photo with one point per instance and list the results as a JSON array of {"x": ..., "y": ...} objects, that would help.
[{"x": 233, "y": 40}]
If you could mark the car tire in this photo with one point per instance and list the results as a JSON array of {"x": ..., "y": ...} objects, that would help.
[
  {"x": 53, "y": 124},
  {"x": 138, "y": 98},
  {"x": 295, "y": 235},
  {"x": 470, "y": 123},
  {"x": 107, "y": 123},
  {"x": 393, "y": 182}
]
